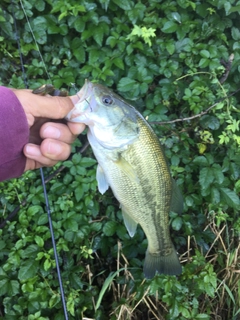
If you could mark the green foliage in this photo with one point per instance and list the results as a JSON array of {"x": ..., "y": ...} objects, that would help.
[
  {"x": 143, "y": 32},
  {"x": 165, "y": 57}
]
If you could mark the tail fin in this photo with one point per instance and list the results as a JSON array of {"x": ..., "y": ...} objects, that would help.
[{"x": 161, "y": 264}]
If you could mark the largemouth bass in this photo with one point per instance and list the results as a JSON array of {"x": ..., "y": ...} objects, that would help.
[{"x": 131, "y": 161}]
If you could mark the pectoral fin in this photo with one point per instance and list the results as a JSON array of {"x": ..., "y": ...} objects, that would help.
[
  {"x": 130, "y": 224},
  {"x": 101, "y": 180},
  {"x": 126, "y": 167}
]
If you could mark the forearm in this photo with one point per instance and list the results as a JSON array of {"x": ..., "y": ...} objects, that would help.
[{"x": 14, "y": 134}]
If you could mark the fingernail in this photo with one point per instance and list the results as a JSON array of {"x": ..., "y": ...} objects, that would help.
[
  {"x": 32, "y": 151},
  {"x": 53, "y": 148},
  {"x": 51, "y": 132}
]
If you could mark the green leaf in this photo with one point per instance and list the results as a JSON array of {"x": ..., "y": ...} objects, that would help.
[
  {"x": 177, "y": 223},
  {"x": 68, "y": 164},
  {"x": 205, "y": 53},
  {"x": 235, "y": 33},
  {"x": 79, "y": 24},
  {"x": 40, "y": 5},
  {"x": 87, "y": 162},
  {"x": 28, "y": 269},
  {"x": 211, "y": 122},
  {"x": 105, "y": 286},
  {"x": 54, "y": 300},
  {"x": 170, "y": 47},
  {"x": 218, "y": 175},
  {"x": 31, "y": 251},
  {"x": 86, "y": 34},
  {"x": 235, "y": 9},
  {"x": 201, "y": 161},
  {"x": 3, "y": 286},
  {"x": 39, "y": 23},
  {"x": 176, "y": 16},
  {"x": 7, "y": 28},
  {"x": 81, "y": 170},
  {"x": 230, "y": 197},
  {"x": 78, "y": 50},
  {"x": 215, "y": 195},
  {"x": 126, "y": 84},
  {"x": 137, "y": 13},
  {"x": 206, "y": 177},
  {"x": 71, "y": 224},
  {"x": 43, "y": 219},
  {"x": 227, "y": 7},
  {"x": 11, "y": 287},
  {"x": 2, "y": 244},
  {"x": 203, "y": 63},
  {"x": 202, "y": 316},
  {"x": 69, "y": 235},
  {"x": 125, "y": 5},
  {"x": 98, "y": 35},
  {"x": 53, "y": 29},
  {"x": 39, "y": 241},
  {"x": 78, "y": 193},
  {"x": 47, "y": 264},
  {"x": 76, "y": 159},
  {"x": 170, "y": 27},
  {"x": 119, "y": 63},
  {"x": 34, "y": 210},
  {"x": 109, "y": 228}
]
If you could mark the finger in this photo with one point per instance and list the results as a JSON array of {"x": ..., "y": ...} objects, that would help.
[
  {"x": 53, "y": 107},
  {"x": 35, "y": 158},
  {"x": 66, "y": 133},
  {"x": 55, "y": 150},
  {"x": 76, "y": 128},
  {"x": 44, "y": 106},
  {"x": 57, "y": 131},
  {"x": 33, "y": 164},
  {"x": 49, "y": 150}
]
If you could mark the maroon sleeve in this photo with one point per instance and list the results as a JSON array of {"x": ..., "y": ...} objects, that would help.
[{"x": 14, "y": 134}]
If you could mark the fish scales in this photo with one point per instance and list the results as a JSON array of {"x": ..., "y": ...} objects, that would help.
[
  {"x": 139, "y": 198},
  {"x": 138, "y": 175}
]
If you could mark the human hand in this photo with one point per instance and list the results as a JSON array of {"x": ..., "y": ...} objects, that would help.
[{"x": 50, "y": 140}]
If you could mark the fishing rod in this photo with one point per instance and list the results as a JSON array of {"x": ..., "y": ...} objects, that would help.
[{"x": 48, "y": 209}]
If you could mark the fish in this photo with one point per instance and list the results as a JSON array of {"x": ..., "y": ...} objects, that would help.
[{"x": 132, "y": 163}]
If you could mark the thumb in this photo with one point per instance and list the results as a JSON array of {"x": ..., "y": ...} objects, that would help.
[
  {"x": 44, "y": 106},
  {"x": 53, "y": 107}
]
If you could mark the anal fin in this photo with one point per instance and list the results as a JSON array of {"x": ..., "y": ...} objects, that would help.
[{"x": 130, "y": 224}]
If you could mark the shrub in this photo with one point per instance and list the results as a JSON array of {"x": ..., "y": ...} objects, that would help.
[{"x": 172, "y": 60}]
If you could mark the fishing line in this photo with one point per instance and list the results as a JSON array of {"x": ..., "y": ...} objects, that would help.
[
  {"x": 19, "y": 47},
  {"x": 34, "y": 38},
  {"x": 54, "y": 245},
  {"x": 41, "y": 170}
]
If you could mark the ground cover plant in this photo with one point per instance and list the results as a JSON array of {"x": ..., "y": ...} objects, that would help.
[{"x": 178, "y": 63}]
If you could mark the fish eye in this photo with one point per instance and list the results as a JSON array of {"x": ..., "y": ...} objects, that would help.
[{"x": 107, "y": 100}]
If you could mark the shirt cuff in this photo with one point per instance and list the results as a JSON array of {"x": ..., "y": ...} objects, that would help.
[{"x": 14, "y": 134}]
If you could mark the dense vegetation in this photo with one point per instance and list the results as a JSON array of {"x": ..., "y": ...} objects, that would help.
[{"x": 172, "y": 60}]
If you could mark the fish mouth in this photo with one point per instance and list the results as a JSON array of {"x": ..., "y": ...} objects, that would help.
[
  {"x": 84, "y": 92},
  {"x": 82, "y": 104}
]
